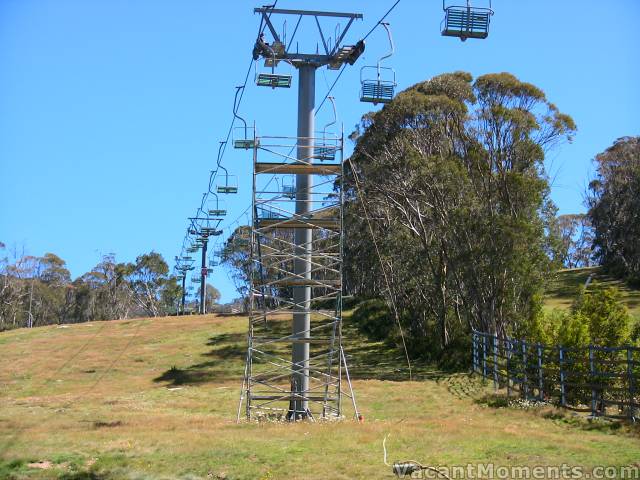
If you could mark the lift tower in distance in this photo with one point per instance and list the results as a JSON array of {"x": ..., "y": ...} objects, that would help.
[{"x": 297, "y": 252}]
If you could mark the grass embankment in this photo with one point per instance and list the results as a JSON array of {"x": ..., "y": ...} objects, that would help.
[
  {"x": 156, "y": 398},
  {"x": 564, "y": 289}
]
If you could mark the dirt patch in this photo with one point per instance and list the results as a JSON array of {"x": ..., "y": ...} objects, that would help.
[{"x": 44, "y": 465}]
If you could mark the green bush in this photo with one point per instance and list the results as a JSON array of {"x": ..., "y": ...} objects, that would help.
[
  {"x": 607, "y": 320},
  {"x": 373, "y": 318}
]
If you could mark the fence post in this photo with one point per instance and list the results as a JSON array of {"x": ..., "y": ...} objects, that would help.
[
  {"x": 484, "y": 356},
  {"x": 474, "y": 341},
  {"x": 540, "y": 378},
  {"x": 507, "y": 352},
  {"x": 563, "y": 396},
  {"x": 525, "y": 378},
  {"x": 495, "y": 362},
  {"x": 630, "y": 381},
  {"x": 592, "y": 380}
]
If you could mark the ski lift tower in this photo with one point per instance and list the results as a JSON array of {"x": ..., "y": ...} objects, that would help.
[
  {"x": 184, "y": 264},
  {"x": 263, "y": 395}
]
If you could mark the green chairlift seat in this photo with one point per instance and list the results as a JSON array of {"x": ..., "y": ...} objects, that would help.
[
  {"x": 325, "y": 152},
  {"x": 378, "y": 83},
  {"x": 230, "y": 184},
  {"x": 218, "y": 212},
  {"x": 227, "y": 189},
  {"x": 245, "y": 144},
  {"x": 466, "y": 22},
  {"x": 273, "y": 80},
  {"x": 375, "y": 91}
]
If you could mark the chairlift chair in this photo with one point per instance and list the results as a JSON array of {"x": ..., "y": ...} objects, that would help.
[
  {"x": 211, "y": 232},
  {"x": 466, "y": 21},
  {"x": 327, "y": 149},
  {"x": 289, "y": 188},
  {"x": 243, "y": 142},
  {"x": 269, "y": 52},
  {"x": 230, "y": 186},
  {"x": 230, "y": 183},
  {"x": 268, "y": 213},
  {"x": 219, "y": 209},
  {"x": 380, "y": 89}
]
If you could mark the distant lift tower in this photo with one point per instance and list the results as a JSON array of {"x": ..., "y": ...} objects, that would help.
[{"x": 295, "y": 370}]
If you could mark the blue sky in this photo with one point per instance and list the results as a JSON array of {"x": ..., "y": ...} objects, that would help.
[{"x": 111, "y": 111}]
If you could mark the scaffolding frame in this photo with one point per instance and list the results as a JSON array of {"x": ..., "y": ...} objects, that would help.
[{"x": 268, "y": 388}]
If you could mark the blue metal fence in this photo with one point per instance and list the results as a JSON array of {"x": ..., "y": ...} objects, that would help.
[{"x": 600, "y": 380}]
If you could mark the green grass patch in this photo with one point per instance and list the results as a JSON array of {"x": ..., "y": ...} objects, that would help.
[{"x": 166, "y": 410}]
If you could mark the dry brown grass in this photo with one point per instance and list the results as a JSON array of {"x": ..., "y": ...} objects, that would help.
[{"x": 99, "y": 401}]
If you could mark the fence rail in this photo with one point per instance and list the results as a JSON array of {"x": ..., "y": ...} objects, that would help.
[{"x": 599, "y": 380}]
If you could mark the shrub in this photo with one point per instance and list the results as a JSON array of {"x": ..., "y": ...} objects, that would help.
[
  {"x": 607, "y": 319},
  {"x": 373, "y": 318}
]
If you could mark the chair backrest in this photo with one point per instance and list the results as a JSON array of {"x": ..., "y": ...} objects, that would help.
[
  {"x": 467, "y": 22},
  {"x": 273, "y": 80},
  {"x": 377, "y": 92}
]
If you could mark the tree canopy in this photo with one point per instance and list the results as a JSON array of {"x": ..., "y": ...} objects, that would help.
[
  {"x": 38, "y": 291},
  {"x": 614, "y": 208},
  {"x": 450, "y": 177}
]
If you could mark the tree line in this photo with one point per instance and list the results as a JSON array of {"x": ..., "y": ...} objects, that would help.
[{"x": 37, "y": 291}]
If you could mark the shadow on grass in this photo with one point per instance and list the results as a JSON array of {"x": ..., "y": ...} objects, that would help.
[
  {"x": 86, "y": 476},
  {"x": 227, "y": 363},
  {"x": 367, "y": 360},
  {"x": 19, "y": 469}
]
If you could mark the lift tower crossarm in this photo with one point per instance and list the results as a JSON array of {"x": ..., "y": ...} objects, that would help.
[
  {"x": 269, "y": 11},
  {"x": 317, "y": 59}
]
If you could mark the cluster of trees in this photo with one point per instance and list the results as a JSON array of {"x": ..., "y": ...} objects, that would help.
[
  {"x": 450, "y": 177},
  {"x": 449, "y": 219},
  {"x": 574, "y": 240},
  {"x": 614, "y": 208},
  {"x": 38, "y": 291},
  {"x": 608, "y": 234}
]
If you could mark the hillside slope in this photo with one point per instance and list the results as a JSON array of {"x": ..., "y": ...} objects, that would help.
[
  {"x": 565, "y": 287},
  {"x": 157, "y": 398}
]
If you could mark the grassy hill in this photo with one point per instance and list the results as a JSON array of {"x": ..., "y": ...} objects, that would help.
[
  {"x": 156, "y": 398},
  {"x": 564, "y": 288}
]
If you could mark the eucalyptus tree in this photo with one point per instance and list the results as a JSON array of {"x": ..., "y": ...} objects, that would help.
[
  {"x": 613, "y": 199},
  {"x": 153, "y": 289},
  {"x": 450, "y": 178}
]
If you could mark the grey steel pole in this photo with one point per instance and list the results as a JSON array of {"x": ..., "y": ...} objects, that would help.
[
  {"x": 298, "y": 407},
  {"x": 203, "y": 278},
  {"x": 184, "y": 279}
]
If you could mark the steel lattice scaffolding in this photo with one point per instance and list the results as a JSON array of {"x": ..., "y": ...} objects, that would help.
[{"x": 271, "y": 386}]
